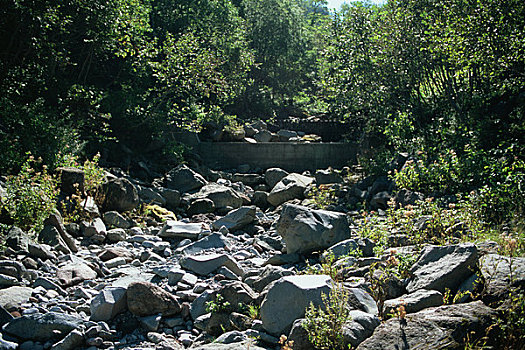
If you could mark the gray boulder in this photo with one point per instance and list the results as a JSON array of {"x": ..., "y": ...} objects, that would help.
[
  {"x": 288, "y": 298},
  {"x": 50, "y": 236},
  {"x": 72, "y": 341},
  {"x": 11, "y": 298},
  {"x": 176, "y": 229},
  {"x": 290, "y": 187},
  {"x": 305, "y": 230},
  {"x": 263, "y": 136},
  {"x": 120, "y": 195},
  {"x": 327, "y": 176},
  {"x": 151, "y": 196},
  {"x": 75, "y": 271},
  {"x": 273, "y": 175},
  {"x": 414, "y": 302},
  {"x": 200, "y": 206},
  {"x": 236, "y": 219},
  {"x": 221, "y": 196},
  {"x": 206, "y": 264},
  {"x": 55, "y": 220},
  {"x": 441, "y": 267},
  {"x": 115, "y": 219},
  {"x": 213, "y": 241},
  {"x": 501, "y": 275},
  {"x": 42, "y": 327},
  {"x": 260, "y": 279},
  {"x": 17, "y": 239},
  {"x": 108, "y": 303},
  {"x": 443, "y": 327},
  {"x": 145, "y": 299},
  {"x": 360, "y": 327},
  {"x": 172, "y": 197},
  {"x": 183, "y": 179},
  {"x": 71, "y": 180}
]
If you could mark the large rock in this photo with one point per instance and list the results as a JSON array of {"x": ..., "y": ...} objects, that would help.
[
  {"x": 444, "y": 327},
  {"x": 71, "y": 180},
  {"x": 213, "y": 241},
  {"x": 221, "y": 196},
  {"x": 501, "y": 275},
  {"x": 236, "y": 219},
  {"x": 108, "y": 303},
  {"x": 290, "y": 187},
  {"x": 305, "y": 230},
  {"x": 113, "y": 218},
  {"x": 120, "y": 195},
  {"x": 360, "y": 327},
  {"x": 206, "y": 264},
  {"x": 17, "y": 239},
  {"x": 260, "y": 279},
  {"x": 175, "y": 229},
  {"x": 183, "y": 179},
  {"x": 146, "y": 299},
  {"x": 272, "y": 176},
  {"x": 11, "y": 298},
  {"x": 75, "y": 271},
  {"x": 50, "y": 235},
  {"x": 441, "y": 267},
  {"x": 55, "y": 220},
  {"x": 327, "y": 176},
  {"x": 414, "y": 302},
  {"x": 288, "y": 298},
  {"x": 42, "y": 327},
  {"x": 72, "y": 341}
]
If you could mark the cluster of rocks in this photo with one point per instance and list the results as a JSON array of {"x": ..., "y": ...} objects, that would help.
[
  {"x": 255, "y": 133},
  {"x": 216, "y": 261}
]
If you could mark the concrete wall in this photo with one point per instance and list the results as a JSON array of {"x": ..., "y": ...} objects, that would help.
[{"x": 285, "y": 155}]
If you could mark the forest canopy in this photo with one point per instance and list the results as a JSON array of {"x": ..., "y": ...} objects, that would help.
[{"x": 408, "y": 75}]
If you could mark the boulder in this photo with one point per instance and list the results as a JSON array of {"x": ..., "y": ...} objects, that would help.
[
  {"x": 75, "y": 271},
  {"x": 273, "y": 175},
  {"x": 286, "y": 135},
  {"x": 248, "y": 179},
  {"x": 11, "y": 298},
  {"x": 328, "y": 176},
  {"x": 41, "y": 251},
  {"x": 501, "y": 275},
  {"x": 17, "y": 239},
  {"x": 115, "y": 252},
  {"x": 221, "y": 196},
  {"x": 213, "y": 241},
  {"x": 120, "y": 195},
  {"x": 263, "y": 136},
  {"x": 172, "y": 197},
  {"x": 95, "y": 228},
  {"x": 270, "y": 273},
  {"x": 351, "y": 247},
  {"x": 42, "y": 327},
  {"x": 206, "y": 264},
  {"x": 184, "y": 179},
  {"x": 146, "y": 299},
  {"x": 305, "y": 230},
  {"x": 115, "y": 219},
  {"x": 290, "y": 187},
  {"x": 55, "y": 220},
  {"x": 71, "y": 180},
  {"x": 360, "y": 327},
  {"x": 443, "y": 327},
  {"x": 236, "y": 292},
  {"x": 288, "y": 298},
  {"x": 116, "y": 235},
  {"x": 151, "y": 196},
  {"x": 108, "y": 303},
  {"x": 50, "y": 235},
  {"x": 299, "y": 336},
  {"x": 176, "y": 229},
  {"x": 72, "y": 341},
  {"x": 414, "y": 302},
  {"x": 441, "y": 267},
  {"x": 236, "y": 219},
  {"x": 200, "y": 206}
]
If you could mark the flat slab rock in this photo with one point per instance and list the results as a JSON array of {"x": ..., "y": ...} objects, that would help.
[
  {"x": 176, "y": 229},
  {"x": 41, "y": 327},
  {"x": 443, "y": 327},
  {"x": 441, "y": 267}
]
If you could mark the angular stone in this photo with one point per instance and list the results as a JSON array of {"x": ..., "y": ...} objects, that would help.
[
  {"x": 8, "y": 281},
  {"x": 183, "y": 179},
  {"x": 12, "y": 297},
  {"x": 269, "y": 274},
  {"x": 360, "y": 327},
  {"x": 441, "y": 267},
  {"x": 42, "y": 327},
  {"x": 501, "y": 275},
  {"x": 263, "y": 136},
  {"x": 206, "y": 264},
  {"x": 71, "y": 180},
  {"x": 176, "y": 229},
  {"x": 273, "y": 175},
  {"x": 115, "y": 219},
  {"x": 328, "y": 176},
  {"x": 236, "y": 219},
  {"x": 75, "y": 272},
  {"x": 305, "y": 230},
  {"x": 120, "y": 195},
  {"x": 95, "y": 228},
  {"x": 443, "y": 327},
  {"x": 49, "y": 285},
  {"x": 146, "y": 299},
  {"x": 150, "y": 196},
  {"x": 248, "y": 179},
  {"x": 150, "y": 323},
  {"x": 116, "y": 235},
  {"x": 50, "y": 235},
  {"x": 17, "y": 239},
  {"x": 201, "y": 206},
  {"x": 414, "y": 302},
  {"x": 288, "y": 298},
  {"x": 213, "y": 241},
  {"x": 290, "y": 187},
  {"x": 72, "y": 341},
  {"x": 172, "y": 197},
  {"x": 221, "y": 196},
  {"x": 360, "y": 299},
  {"x": 55, "y": 220},
  {"x": 41, "y": 251},
  {"x": 115, "y": 252}
]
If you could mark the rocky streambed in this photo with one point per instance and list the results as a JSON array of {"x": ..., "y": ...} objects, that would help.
[{"x": 220, "y": 260}]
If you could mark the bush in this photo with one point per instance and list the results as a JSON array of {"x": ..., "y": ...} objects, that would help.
[{"x": 30, "y": 195}]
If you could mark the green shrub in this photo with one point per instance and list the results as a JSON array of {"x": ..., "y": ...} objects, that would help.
[
  {"x": 324, "y": 325},
  {"x": 30, "y": 195}
]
